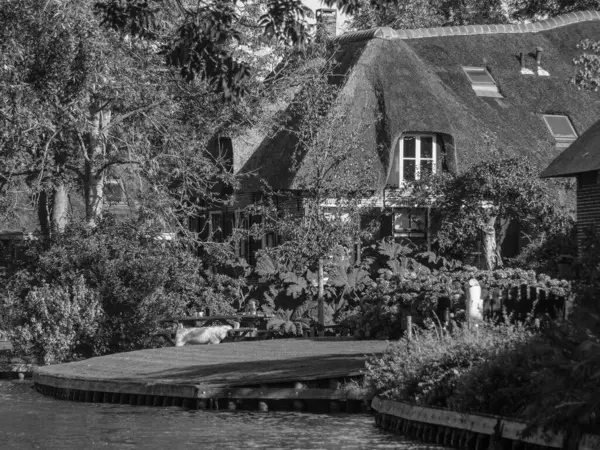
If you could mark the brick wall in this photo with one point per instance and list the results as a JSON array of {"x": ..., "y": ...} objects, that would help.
[{"x": 588, "y": 205}]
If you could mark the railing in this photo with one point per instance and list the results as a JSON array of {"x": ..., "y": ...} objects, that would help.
[{"x": 523, "y": 299}]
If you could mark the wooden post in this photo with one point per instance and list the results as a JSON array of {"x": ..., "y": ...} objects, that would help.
[
  {"x": 320, "y": 304},
  {"x": 409, "y": 328}
]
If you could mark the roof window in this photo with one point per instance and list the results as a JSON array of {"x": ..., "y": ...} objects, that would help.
[
  {"x": 561, "y": 128},
  {"x": 482, "y": 82}
]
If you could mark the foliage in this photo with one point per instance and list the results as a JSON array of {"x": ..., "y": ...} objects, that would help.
[
  {"x": 546, "y": 375},
  {"x": 372, "y": 297},
  {"x": 427, "y": 369},
  {"x": 60, "y": 323},
  {"x": 134, "y": 276},
  {"x": 540, "y": 9},
  {"x": 410, "y": 14},
  {"x": 395, "y": 295},
  {"x": 544, "y": 253},
  {"x": 588, "y": 74},
  {"x": 290, "y": 296},
  {"x": 80, "y": 105},
  {"x": 483, "y": 200}
]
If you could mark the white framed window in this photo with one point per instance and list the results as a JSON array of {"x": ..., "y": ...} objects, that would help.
[
  {"x": 561, "y": 129},
  {"x": 410, "y": 223},
  {"x": 415, "y": 155},
  {"x": 482, "y": 82}
]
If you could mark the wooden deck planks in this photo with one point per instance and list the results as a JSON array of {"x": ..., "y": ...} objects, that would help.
[{"x": 232, "y": 364}]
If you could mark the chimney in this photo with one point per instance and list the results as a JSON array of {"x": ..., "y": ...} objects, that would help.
[
  {"x": 538, "y": 59},
  {"x": 327, "y": 22},
  {"x": 524, "y": 70}
]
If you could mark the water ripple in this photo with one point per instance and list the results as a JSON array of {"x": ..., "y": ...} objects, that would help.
[{"x": 29, "y": 420}]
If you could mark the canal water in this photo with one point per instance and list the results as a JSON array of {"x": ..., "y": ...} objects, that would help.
[{"x": 29, "y": 420}]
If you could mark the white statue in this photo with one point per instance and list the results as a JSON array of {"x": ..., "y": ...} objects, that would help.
[{"x": 474, "y": 300}]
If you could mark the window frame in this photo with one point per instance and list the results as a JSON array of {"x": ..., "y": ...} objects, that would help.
[
  {"x": 483, "y": 88},
  {"x": 400, "y": 146},
  {"x": 411, "y": 213},
  {"x": 561, "y": 137}
]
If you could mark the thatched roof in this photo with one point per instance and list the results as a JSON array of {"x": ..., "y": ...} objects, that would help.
[
  {"x": 583, "y": 155},
  {"x": 413, "y": 81}
]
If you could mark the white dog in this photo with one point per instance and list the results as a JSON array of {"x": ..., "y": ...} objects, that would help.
[{"x": 201, "y": 335}]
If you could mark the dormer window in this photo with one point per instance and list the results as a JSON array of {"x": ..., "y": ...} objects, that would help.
[
  {"x": 482, "y": 82},
  {"x": 415, "y": 155},
  {"x": 561, "y": 128}
]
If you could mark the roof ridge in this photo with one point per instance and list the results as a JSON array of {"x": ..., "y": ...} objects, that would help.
[{"x": 534, "y": 27}]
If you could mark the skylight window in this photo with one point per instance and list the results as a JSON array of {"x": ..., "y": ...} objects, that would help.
[
  {"x": 560, "y": 127},
  {"x": 482, "y": 82}
]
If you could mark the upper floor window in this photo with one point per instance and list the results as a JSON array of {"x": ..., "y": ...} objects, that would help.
[
  {"x": 482, "y": 82},
  {"x": 561, "y": 128},
  {"x": 415, "y": 156}
]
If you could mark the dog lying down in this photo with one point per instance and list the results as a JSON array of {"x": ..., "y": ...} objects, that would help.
[{"x": 201, "y": 335}]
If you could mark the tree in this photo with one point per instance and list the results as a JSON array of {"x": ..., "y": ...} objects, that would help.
[
  {"x": 482, "y": 201},
  {"x": 588, "y": 74},
  {"x": 408, "y": 14},
  {"x": 329, "y": 179},
  {"x": 80, "y": 104},
  {"x": 541, "y": 9}
]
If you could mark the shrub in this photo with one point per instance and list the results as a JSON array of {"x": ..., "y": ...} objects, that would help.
[
  {"x": 393, "y": 296},
  {"x": 427, "y": 369},
  {"x": 60, "y": 323},
  {"x": 135, "y": 277}
]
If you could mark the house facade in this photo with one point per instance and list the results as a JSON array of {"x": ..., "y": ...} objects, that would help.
[
  {"x": 582, "y": 161},
  {"x": 440, "y": 99}
]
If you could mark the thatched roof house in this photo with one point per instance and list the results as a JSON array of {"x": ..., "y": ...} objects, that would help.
[
  {"x": 582, "y": 160},
  {"x": 418, "y": 81},
  {"x": 445, "y": 98}
]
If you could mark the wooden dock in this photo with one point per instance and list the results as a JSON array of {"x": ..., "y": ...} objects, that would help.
[
  {"x": 471, "y": 431},
  {"x": 299, "y": 374}
]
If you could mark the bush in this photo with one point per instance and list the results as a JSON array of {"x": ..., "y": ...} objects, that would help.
[
  {"x": 427, "y": 369},
  {"x": 135, "y": 277},
  {"x": 60, "y": 323},
  {"x": 393, "y": 296}
]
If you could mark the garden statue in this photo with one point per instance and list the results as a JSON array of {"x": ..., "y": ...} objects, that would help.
[
  {"x": 474, "y": 305},
  {"x": 252, "y": 307}
]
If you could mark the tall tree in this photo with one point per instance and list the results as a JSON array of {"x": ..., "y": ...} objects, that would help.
[{"x": 91, "y": 90}]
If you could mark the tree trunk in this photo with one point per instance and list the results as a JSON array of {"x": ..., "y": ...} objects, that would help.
[
  {"x": 60, "y": 205},
  {"x": 95, "y": 158},
  {"x": 490, "y": 247},
  {"x": 320, "y": 302}
]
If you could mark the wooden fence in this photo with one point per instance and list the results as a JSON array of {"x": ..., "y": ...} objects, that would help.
[{"x": 523, "y": 299}]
